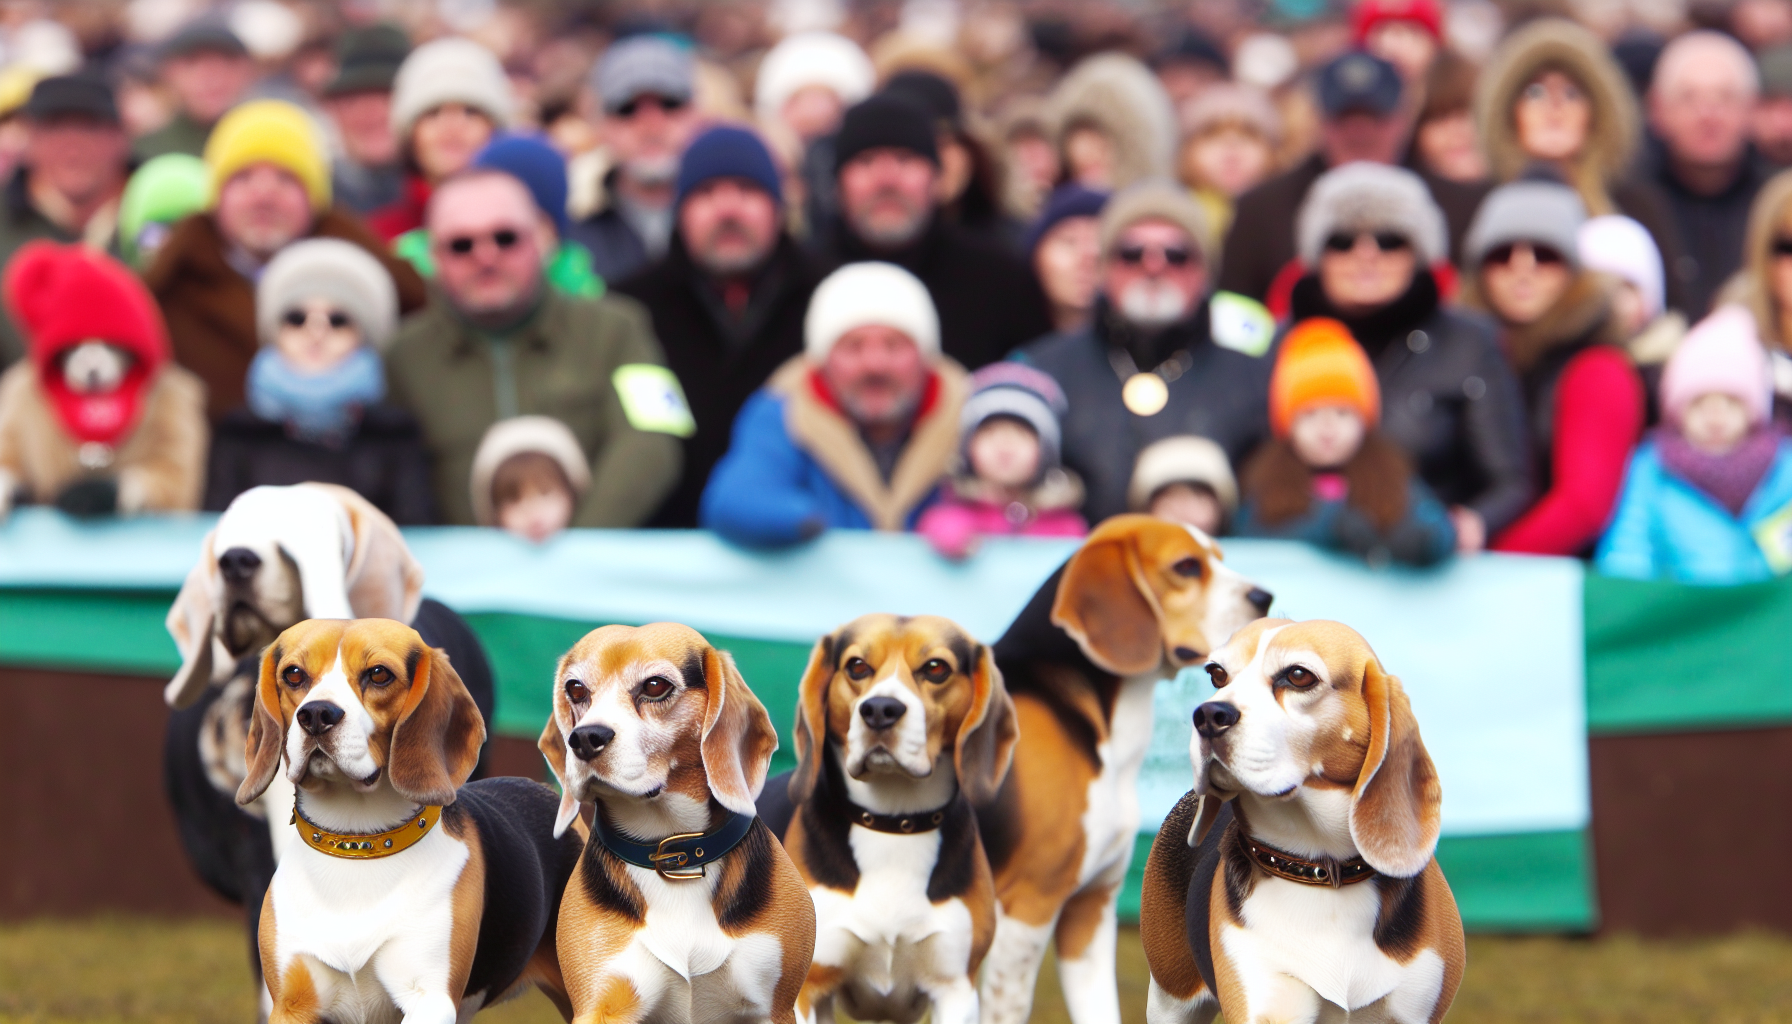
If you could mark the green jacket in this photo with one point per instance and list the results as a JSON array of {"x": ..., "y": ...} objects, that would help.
[
  {"x": 180, "y": 135},
  {"x": 569, "y": 270},
  {"x": 562, "y": 362}
]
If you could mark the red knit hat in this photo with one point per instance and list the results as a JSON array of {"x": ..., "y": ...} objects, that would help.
[
  {"x": 64, "y": 295},
  {"x": 1370, "y": 13},
  {"x": 1321, "y": 364}
]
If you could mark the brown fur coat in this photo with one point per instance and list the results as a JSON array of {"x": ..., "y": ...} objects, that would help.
[{"x": 1280, "y": 486}]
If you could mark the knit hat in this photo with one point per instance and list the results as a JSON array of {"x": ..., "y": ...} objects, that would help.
[
  {"x": 64, "y": 295},
  {"x": 329, "y": 268},
  {"x": 1363, "y": 196},
  {"x": 1065, "y": 202},
  {"x": 726, "y": 151},
  {"x": 1023, "y": 393},
  {"x": 539, "y": 166},
  {"x": 1540, "y": 212},
  {"x": 1321, "y": 364},
  {"x": 368, "y": 59},
  {"x": 72, "y": 95},
  {"x": 1721, "y": 354},
  {"x": 162, "y": 191},
  {"x": 644, "y": 65},
  {"x": 1370, "y": 13},
  {"x": 870, "y": 293},
  {"x": 885, "y": 121},
  {"x": 1227, "y": 103},
  {"x": 449, "y": 70},
  {"x": 931, "y": 92},
  {"x": 811, "y": 58},
  {"x": 1158, "y": 199},
  {"x": 1184, "y": 459},
  {"x": 274, "y": 132},
  {"x": 204, "y": 34},
  {"x": 1620, "y": 246},
  {"x": 514, "y": 436}
]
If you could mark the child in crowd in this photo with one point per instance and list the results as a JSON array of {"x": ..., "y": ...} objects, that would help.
[
  {"x": 1010, "y": 482},
  {"x": 97, "y": 419},
  {"x": 1229, "y": 136},
  {"x": 1649, "y": 332},
  {"x": 528, "y": 476},
  {"x": 1185, "y": 479},
  {"x": 1708, "y": 498},
  {"x": 1329, "y": 476}
]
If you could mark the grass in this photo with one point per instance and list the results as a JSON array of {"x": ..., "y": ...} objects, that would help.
[{"x": 195, "y": 972}]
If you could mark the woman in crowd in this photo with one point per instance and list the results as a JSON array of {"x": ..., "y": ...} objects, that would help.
[
  {"x": 1764, "y": 284},
  {"x": 1444, "y": 141},
  {"x": 1114, "y": 123},
  {"x": 1065, "y": 247},
  {"x": 1649, "y": 331},
  {"x": 1229, "y": 137}
]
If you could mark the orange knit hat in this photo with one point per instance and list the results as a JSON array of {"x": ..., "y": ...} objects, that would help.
[{"x": 1321, "y": 364}]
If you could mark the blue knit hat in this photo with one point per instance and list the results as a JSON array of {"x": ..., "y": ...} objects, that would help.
[
  {"x": 539, "y": 166},
  {"x": 1065, "y": 202},
  {"x": 728, "y": 152}
]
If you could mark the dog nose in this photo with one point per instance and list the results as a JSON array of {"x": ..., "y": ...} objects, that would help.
[
  {"x": 318, "y": 716},
  {"x": 1260, "y": 599},
  {"x": 238, "y": 565},
  {"x": 1215, "y": 717},
  {"x": 588, "y": 741},
  {"x": 882, "y": 712}
]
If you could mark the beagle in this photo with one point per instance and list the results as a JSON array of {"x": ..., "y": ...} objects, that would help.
[
  {"x": 900, "y": 724},
  {"x": 1140, "y": 599},
  {"x": 1317, "y": 897},
  {"x": 407, "y": 894},
  {"x": 684, "y": 907}
]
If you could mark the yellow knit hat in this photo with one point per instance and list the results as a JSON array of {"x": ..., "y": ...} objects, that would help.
[{"x": 274, "y": 132}]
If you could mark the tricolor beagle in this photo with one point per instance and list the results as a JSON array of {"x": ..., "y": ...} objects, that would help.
[
  {"x": 1317, "y": 896},
  {"x": 684, "y": 908},
  {"x": 1141, "y": 598},
  {"x": 899, "y": 721},
  {"x": 407, "y": 894}
]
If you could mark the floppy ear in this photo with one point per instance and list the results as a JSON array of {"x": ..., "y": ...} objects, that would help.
[
  {"x": 267, "y": 732},
  {"x": 986, "y": 738},
  {"x": 190, "y": 623},
  {"x": 738, "y": 738},
  {"x": 383, "y": 580},
  {"x": 1395, "y": 811},
  {"x": 1105, "y": 605},
  {"x": 435, "y": 744},
  {"x": 553, "y": 747},
  {"x": 1207, "y": 811},
  {"x": 811, "y": 733}
]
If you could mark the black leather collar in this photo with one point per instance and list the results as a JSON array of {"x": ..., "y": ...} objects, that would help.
[
  {"x": 678, "y": 856},
  {"x": 899, "y": 824}
]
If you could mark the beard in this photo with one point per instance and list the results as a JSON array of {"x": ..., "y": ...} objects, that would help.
[
  {"x": 743, "y": 252},
  {"x": 651, "y": 170},
  {"x": 886, "y": 233},
  {"x": 1153, "y": 303},
  {"x": 901, "y": 411}
]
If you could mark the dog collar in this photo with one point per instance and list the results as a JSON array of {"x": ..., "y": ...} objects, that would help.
[
  {"x": 366, "y": 846},
  {"x": 1282, "y": 864},
  {"x": 898, "y": 824},
  {"x": 679, "y": 856}
]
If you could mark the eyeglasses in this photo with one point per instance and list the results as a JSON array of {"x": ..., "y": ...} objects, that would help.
[
  {"x": 633, "y": 107},
  {"x": 503, "y": 238},
  {"x": 1502, "y": 254},
  {"x": 1386, "y": 241},
  {"x": 1134, "y": 255},
  {"x": 300, "y": 317},
  {"x": 1782, "y": 247}
]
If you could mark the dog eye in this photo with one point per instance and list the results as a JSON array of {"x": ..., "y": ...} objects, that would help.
[
  {"x": 577, "y": 692},
  {"x": 935, "y": 670},
  {"x": 294, "y": 676},
  {"x": 1216, "y": 673},
  {"x": 1190, "y": 567},
  {"x": 1298, "y": 677},
  {"x": 378, "y": 675},
  {"x": 858, "y": 668},
  {"x": 656, "y": 687}
]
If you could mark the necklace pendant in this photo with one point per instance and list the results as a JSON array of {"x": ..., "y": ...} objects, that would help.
[{"x": 1145, "y": 394}]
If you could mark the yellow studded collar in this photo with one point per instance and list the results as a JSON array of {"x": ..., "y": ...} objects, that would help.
[{"x": 373, "y": 845}]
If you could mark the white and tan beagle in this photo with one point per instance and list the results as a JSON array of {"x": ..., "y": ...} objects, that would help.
[
  {"x": 1296, "y": 882},
  {"x": 901, "y": 723},
  {"x": 1141, "y": 598},
  {"x": 407, "y": 895},
  {"x": 684, "y": 908}
]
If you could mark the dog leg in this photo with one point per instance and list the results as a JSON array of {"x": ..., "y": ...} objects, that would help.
[
  {"x": 1163, "y": 1008},
  {"x": 427, "y": 1007},
  {"x": 1011, "y": 970},
  {"x": 954, "y": 1002},
  {"x": 1088, "y": 932}
]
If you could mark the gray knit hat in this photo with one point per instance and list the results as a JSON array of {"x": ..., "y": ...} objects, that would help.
[
  {"x": 1542, "y": 212},
  {"x": 449, "y": 70},
  {"x": 333, "y": 269},
  {"x": 643, "y": 65},
  {"x": 1363, "y": 196},
  {"x": 1158, "y": 199}
]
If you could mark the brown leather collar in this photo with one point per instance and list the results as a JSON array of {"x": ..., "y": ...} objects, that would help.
[
  {"x": 1282, "y": 864},
  {"x": 898, "y": 824}
]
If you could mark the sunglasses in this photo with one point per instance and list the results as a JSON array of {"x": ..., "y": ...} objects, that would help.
[
  {"x": 299, "y": 318},
  {"x": 1782, "y": 247},
  {"x": 633, "y": 107},
  {"x": 1134, "y": 255},
  {"x": 503, "y": 238},
  {"x": 1386, "y": 241},
  {"x": 1541, "y": 253}
]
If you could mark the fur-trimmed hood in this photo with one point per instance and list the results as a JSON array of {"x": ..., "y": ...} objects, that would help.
[
  {"x": 1119, "y": 96},
  {"x": 1751, "y": 286}
]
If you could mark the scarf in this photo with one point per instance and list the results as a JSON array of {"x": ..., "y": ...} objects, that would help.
[
  {"x": 322, "y": 408},
  {"x": 1728, "y": 479}
]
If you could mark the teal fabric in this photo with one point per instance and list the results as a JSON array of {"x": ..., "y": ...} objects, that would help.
[{"x": 1665, "y": 528}]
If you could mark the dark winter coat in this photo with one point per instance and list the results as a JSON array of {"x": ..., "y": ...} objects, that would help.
[
  {"x": 617, "y": 250},
  {"x": 1711, "y": 229},
  {"x": 384, "y": 461}
]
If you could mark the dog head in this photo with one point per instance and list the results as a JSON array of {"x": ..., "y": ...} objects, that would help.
[
  {"x": 898, "y": 696},
  {"x": 360, "y": 703},
  {"x": 95, "y": 368},
  {"x": 1142, "y": 591},
  {"x": 1308, "y": 705},
  {"x": 280, "y": 555},
  {"x": 655, "y": 713}
]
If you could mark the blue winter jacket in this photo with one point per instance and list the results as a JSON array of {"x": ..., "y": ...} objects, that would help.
[{"x": 1666, "y": 527}]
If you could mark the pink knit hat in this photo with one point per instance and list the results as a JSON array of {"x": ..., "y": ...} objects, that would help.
[{"x": 1722, "y": 354}]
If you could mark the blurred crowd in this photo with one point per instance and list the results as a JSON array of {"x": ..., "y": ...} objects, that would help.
[{"x": 1400, "y": 278}]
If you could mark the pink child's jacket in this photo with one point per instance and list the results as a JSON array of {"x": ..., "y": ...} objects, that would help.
[{"x": 966, "y": 512}]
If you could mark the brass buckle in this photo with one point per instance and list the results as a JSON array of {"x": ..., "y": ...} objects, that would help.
[{"x": 678, "y": 858}]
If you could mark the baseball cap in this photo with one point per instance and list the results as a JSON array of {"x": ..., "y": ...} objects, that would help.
[{"x": 1358, "y": 82}]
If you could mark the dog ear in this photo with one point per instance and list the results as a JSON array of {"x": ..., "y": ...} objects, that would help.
[
  {"x": 811, "y": 733},
  {"x": 738, "y": 738},
  {"x": 383, "y": 580},
  {"x": 267, "y": 732},
  {"x": 1106, "y": 606},
  {"x": 552, "y": 745},
  {"x": 985, "y": 746},
  {"x": 190, "y": 622},
  {"x": 435, "y": 744},
  {"x": 1395, "y": 810}
]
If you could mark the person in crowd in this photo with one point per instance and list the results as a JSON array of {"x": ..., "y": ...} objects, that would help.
[
  {"x": 1065, "y": 246},
  {"x": 207, "y": 69},
  {"x": 449, "y": 97},
  {"x": 987, "y": 298},
  {"x": 646, "y": 86},
  {"x": 855, "y": 433},
  {"x": 1189, "y": 64},
  {"x": 1406, "y": 33},
  {"x": 160, "y": 194},
  {"x": 1329, "y": 476},
  {"x": 368, "y": 174},
  {"x": 1229, "y": 138},
  {"x": 1444, "y": 141},
  {"x": 1370, "y": 237},
  {"x": 1708, "y": 496},
  {"x": 1008, "y": 481},
  {"x": 95, "y": 420},
  {"x": 1030, "y": 168},
  {"x": 269, "y": 187},
  {"x": 1584, "y": 397},
  {"x": 965, "y": 191},
  {"x": 1159, "y": 357},
  {"x": 1618, "y": 246},
  {"x": 324, "y": 310},
  {"x": 1113, "y": 122},
  {"x": 68, "y": 183},
  {"x": 1364, "y": 119},
  {"x": 529, "y": 475},
  {"x": 500, "y": 342},
  {"x": 1764, "y": 285},
  {"x": 1185, "y": 479},
  {"x": 728, "y": 298},
  {"x": 803, "y": 86},
  {"x": 1770, "y": 124}
]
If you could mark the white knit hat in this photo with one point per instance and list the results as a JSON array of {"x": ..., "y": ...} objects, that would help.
[
  {"x": 333, "y": 269},
  {"x": 1364, "y": 196},
  {"x": 812, "y": 58},
  {"x": 541, "y": 434},
  {"x": 449, "y": 71},
  {"x": 1617, "y": 245},
  {"x": 1183, "y": 459},
  {"x": 859, "y": 294}
]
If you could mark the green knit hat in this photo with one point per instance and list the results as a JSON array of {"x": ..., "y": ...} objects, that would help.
[{"x": 163, "y": 191}]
